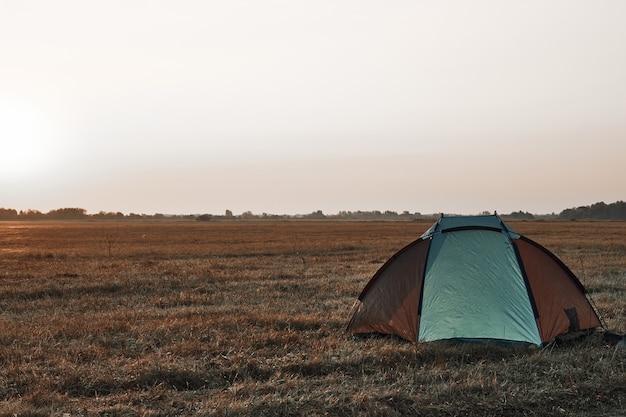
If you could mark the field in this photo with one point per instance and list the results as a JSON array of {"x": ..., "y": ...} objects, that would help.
[{"x": 248, "y": 318}]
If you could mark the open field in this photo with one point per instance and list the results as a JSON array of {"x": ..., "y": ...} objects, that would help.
[{"x": 248, "y": 318}]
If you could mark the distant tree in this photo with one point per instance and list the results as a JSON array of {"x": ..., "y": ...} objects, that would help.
[
  {"x": 618, "y": 210},
  {"x": 204, "y": 218},
  {"x": 67, "y": 214},
  {"x": 597, "y": 211},
  {"x": 30, "y": 215},
  {"x": 108, "y": 215},
  {"x": 344, "y": 214},
  {"x": 247, "y": 215},
  {"x": 520, "y": 215},
  {"x": 317, "y": 215},
  {"x": 8, "y": 214}
]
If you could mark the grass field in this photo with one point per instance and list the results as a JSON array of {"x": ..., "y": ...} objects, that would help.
[{"x": 248, "y": 318}]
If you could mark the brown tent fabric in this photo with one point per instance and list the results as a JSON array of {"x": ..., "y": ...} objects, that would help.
[
  {"x": 393, "y": 295},
  {"x": 558, "y": 295}
]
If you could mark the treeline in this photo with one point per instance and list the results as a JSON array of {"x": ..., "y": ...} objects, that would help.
[
  {"x": 80, "y": 214},
  {"x": 597, "y": 211}
]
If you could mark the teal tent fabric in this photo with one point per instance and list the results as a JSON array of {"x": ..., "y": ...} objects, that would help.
[
  {"x": 454, "y": 222},
  {"x": 474, "y": 288}
]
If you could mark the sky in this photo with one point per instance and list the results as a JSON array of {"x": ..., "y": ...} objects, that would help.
[{"x": 294, "y": 106}]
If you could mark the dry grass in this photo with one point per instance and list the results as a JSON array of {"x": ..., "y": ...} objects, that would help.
[{"x": 219, "y": 319}]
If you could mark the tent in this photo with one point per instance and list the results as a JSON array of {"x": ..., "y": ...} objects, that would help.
[{"x": 474, "y": 278}]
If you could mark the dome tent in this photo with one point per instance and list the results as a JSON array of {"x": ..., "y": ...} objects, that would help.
[{"x": 473, "y": 278}]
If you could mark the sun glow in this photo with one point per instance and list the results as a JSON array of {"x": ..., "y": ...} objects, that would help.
[{"x": 27, "y": 141}]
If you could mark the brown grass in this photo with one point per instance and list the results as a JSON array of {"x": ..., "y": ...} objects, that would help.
[{"x": 248, "y": 318}]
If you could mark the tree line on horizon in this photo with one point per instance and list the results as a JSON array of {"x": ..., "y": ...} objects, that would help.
[{"x": 597, "y": 211}]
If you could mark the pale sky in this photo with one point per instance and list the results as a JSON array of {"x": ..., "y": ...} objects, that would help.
[{"x": 287, "y": 107}]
